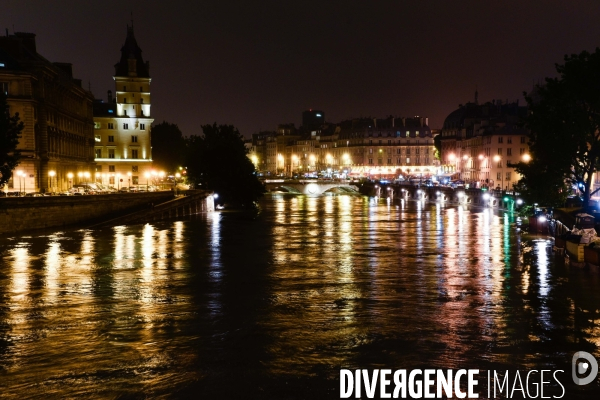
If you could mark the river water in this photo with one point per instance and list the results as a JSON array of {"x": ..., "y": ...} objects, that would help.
[{"x": 233, "y": 305}]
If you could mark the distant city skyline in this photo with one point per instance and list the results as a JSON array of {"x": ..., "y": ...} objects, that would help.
[{"x": 256, "y": 66}]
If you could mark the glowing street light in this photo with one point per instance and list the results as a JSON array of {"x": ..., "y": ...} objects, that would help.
[
  {"x": 70, "y": 176},
  {"x": 147, "y": 175},
  {"x": 526, "y": 157},
  {"x": 51, "y": 174}
]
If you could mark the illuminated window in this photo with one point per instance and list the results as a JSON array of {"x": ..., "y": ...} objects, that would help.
[
  {"x": 4, "y": 87},
  {"x": 97, "y": 138},
  {"x": 97, "y": 125}
]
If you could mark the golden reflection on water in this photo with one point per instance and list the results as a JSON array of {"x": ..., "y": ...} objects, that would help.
[{"x": 311, "y": 285}]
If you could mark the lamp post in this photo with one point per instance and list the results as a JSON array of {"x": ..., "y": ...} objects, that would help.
[
  {"x": 147, "y": 175},
  {"x": 19, "y": 174},
  {"x": 129, "y": 180},
  {"x": 498, "y": 159},
  {"x": 118, "y": 181},
  {"x": 51, "y": 174},
  {"x": 70, "y": 176},
  {"x": 177, "y": 176}
]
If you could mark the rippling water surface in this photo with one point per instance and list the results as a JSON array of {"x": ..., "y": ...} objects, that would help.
[{"x": 272, "y": 305}]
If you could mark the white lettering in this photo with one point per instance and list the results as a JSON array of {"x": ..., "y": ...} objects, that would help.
[
  {"x": 517, "y": 378},
  {"x": 542, "y": 384},
  {"x": 428, "y": 382},
  {"x": 534, "y": 384},
  {"x": 357, "y": 384},
  {"x": 370, "y": 384},
  {"x": 384, "y": 383},
  {"x": 472, "y": 383},
  {"x": 459, "y": 393},
  {"x": 504, "y": 382},
  {"x": 400, "y": 383},
  {"x": 412, "y": 384},
  {"x": 445, "y": 383},
  {"x": 346, "y": 390},
  {"x": 557, "y": 381}
]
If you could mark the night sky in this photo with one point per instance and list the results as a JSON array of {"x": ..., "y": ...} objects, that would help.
[{"x": 255, "y": 64}]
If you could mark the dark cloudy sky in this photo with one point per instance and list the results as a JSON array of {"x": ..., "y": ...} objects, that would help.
[{"x": 255, "y": 64}]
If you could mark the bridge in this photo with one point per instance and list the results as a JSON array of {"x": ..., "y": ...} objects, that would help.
[{"x": 310, "y": 187}]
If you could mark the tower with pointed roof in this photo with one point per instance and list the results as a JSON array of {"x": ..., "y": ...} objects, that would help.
[{"x": 122, "y": 125}]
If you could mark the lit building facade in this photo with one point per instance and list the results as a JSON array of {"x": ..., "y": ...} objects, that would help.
[
  {"x": 361, "y": 147},
  {"x": 123, "y": 151},
  {"x": 57, "y": 143},
  {"x": 481, "y": 142}
]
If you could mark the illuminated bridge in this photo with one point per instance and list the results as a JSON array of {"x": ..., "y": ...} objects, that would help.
[{"x": 309, "y": 187}]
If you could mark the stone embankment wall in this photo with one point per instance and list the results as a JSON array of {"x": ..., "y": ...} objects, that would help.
[{"x": 29, "y": 213}]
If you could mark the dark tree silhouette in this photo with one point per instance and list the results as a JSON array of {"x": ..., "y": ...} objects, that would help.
[
  {"x": 564, "y": 122},
  {"x": 10, "y": 133},
  {"x": 168, "y": 147},
  {"x": 218, "y": 161}
]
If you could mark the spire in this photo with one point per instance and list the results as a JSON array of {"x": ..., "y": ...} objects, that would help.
[{"x": 132, "y": 63}]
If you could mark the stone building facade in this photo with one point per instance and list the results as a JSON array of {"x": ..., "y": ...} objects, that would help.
[
  {"x": 480, "y": 142},
  {"x": 122, "y": 148},
  {"x": 57, "y": 143}
]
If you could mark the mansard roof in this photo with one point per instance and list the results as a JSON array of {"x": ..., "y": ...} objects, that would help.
[{"x": 131, "y": 51}]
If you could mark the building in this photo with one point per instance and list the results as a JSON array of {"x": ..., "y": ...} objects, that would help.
[
  {"x": 479, "y": 143},
  {"x": 57, "y": 143},
  {"x": 122, "y": 125},
  {"x": 364, "y": 147}
]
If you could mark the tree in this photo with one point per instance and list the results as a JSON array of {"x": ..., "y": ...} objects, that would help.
[
  {"x": 168, "y": 147},
  {"x": 10, "y": 133},
  {"x": 564, "y": 122},
  {"x": 437, "y": 142},
  {"x": 218, "y": 160}
]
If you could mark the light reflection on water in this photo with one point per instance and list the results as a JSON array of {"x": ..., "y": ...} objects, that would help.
[{"x": 273, "y": 305}]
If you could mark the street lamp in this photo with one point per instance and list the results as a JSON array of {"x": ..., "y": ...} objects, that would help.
[
  {"x": 70, "y": 176},
  {"x": 526, "y": 157},
  {"x": 118, "y": 181},
  {"x": 177, "y": 176},
  {"x": 129, "y": 180},
  {"x": 147, "y": 175},
  {"x": 280, "y": 160},
  {"x": 294, "y": 159},
  {"x": 51, "y": 174},
  {"x": 20, "y": 174},
  {"x": 497, "y": 158}
]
